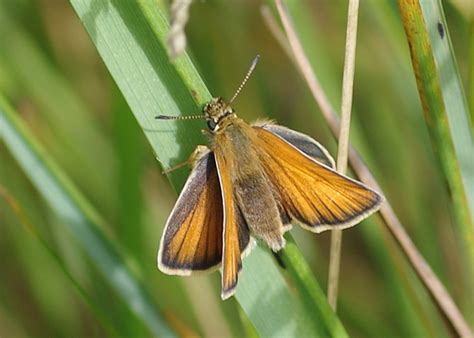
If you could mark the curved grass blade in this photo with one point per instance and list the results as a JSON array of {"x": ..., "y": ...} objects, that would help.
[
  {"x": 131, "y": 39},
  {"x": 61, "y": 110},
  {"x": 446, "y": 112},
  {"x": 79, "y": 218}
]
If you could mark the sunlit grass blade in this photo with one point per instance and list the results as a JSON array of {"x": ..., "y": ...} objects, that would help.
[
  {"x": 446, "y": 112},
  {"x": 78, "y": 217},
  {"x": 130, "y": 37}
]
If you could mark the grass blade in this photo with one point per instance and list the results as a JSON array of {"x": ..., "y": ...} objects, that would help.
[
  {"x": 343, "y": 141},
  {"x": 446, "y": 112},
  {"x": 444, "y": 103},
  {"x": 78, "y": 217},
  {"x": 42, "y": 82}
]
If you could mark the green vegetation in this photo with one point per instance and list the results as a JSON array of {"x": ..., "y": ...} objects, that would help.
[{"x": 83, "y": 201}]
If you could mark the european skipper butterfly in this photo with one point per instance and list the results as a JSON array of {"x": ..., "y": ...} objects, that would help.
[{"x": 250, "y": 183}]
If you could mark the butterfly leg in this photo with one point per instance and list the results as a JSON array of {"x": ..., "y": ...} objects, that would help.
[
  {"x": 206, "y": 132},
  {"x": 197, "y": 154}
]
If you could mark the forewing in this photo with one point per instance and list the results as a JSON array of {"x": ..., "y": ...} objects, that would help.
[
  {"x": 192, "y": 239},
  {"x": 236, "y": 238},
  {"x": 311, "y": 192},
  {"x": 303, "y": 142}
]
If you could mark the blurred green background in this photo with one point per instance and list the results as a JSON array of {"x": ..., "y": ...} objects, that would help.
[{"x": 52, "y": 75}]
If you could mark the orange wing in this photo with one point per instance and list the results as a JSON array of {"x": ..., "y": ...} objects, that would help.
[
  {"x": 236, "y": 237},
  {"x": 311, "y": 192},
  {"x": 303, "y": 142},
  {"x": 192, "y": 239}
]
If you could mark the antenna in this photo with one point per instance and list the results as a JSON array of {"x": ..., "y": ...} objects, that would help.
[
  {"x": 244, "y": 81},
  {"x": 193, "y": 117},
  {"x": 185, "y": 117}
]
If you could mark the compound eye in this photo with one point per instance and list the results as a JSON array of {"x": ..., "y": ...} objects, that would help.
[{"x": 211, "y": 124}]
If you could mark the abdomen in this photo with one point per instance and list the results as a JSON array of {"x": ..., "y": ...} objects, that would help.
[{"x": 252, "y": 190}]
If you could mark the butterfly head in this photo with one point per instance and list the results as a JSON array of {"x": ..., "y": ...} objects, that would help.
[{"x": 217, "y": 111}]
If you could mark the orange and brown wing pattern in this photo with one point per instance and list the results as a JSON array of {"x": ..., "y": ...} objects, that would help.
[
  {"x": 192, "y": 239},
  {"x": 303, "y": 142},
  {"x": 310, "y": 192},
  {"x": 236, "y": 233}
]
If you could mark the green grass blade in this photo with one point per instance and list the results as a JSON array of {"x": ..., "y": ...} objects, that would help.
[
  {"x": 444, "y": 103},
  {"x": 130, "y": 38},
  {"x": 313, "y": 297},
  {"x": 62, "y": 111},
  {"x": 128, "y": 140},
  {"x": 78, "y": 217},
  {"x": 446, "y": 111}
]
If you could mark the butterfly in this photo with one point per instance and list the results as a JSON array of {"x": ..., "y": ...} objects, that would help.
[{"x": 250, "y": 183}]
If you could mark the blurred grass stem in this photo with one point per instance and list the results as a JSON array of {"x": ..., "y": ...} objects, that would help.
[
  {"x": 343, "y": 143},
  {"x": 434, "y": 286},
  {"x": 177, "y": 36}
]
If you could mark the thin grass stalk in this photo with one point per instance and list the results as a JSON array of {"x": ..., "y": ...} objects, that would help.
[
  {"x": 343, "y": 143},
  {"x": 429, "y": 279}
]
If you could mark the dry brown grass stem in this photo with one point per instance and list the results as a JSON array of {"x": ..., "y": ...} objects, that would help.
[{"x": 343, "y": 142}]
